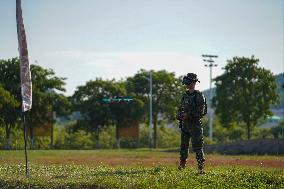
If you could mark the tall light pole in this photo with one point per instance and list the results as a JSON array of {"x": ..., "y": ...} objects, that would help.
[
  {"x": 210, "y": 64},
  {"x": 150, "y": 110}
]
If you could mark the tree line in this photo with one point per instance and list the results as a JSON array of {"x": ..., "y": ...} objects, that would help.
[{"x": 244, "y": 93}]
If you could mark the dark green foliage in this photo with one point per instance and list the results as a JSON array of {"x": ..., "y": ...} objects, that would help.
[
  {"x": 166, "y": 92},
  {"x": 96, "y": 114},
  {"x": 98, "y": 122},
  {"x": 10, "y": 76},
  {"x": 8, "y": 104},
  {"x": 278, "y": 131},
  {"x": 45, "y": 97},
  {"x": 87, "y": 99},
  {"x": 6, "y": 100},
  {"x": 244, "y": 93},
  {"x": 10, "y": 94},
  {"x": 168, "y": 137},
  {"x": 280, "y": 89}
]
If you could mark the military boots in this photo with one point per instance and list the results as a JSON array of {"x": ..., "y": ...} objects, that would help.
[
  {"x": 200, "y": 167},
  {"x": 182, "y": 164},
  {"x": 200, "y": 161}
]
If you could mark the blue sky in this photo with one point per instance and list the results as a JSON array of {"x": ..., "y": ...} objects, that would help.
[{"x": 85, "y": 39}]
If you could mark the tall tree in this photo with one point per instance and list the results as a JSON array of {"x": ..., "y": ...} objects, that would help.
[
  {"x": 44, "y": 80},
  {"x": 96, "y": 114},
  {"x": 46, "y": 98},
  {"x": 10, "y": 82},
  {"x": 126, "y": 113},
  {"x": 244, "y": 92},
  {"x": 7, "y": 106},
  {"x": 88, "y": 100},
  {"x": 166, "y": 92}
]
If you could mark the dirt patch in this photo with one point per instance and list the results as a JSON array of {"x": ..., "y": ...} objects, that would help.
[{"x": 92, "y": 158}]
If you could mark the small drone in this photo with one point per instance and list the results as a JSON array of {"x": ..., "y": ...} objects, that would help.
[{"x": 117, "y": 99}]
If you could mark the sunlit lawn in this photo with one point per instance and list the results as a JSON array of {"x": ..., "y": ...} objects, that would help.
[{"x": 140, "y": 168}]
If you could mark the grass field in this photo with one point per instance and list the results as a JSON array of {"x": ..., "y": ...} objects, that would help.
[{"x": 136, "y": 169}]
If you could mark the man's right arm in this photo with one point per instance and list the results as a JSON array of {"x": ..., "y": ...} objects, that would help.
[{"x": 180, "y": 109}]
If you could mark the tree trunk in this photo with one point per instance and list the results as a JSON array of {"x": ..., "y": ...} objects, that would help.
[
  {"x": 155, "y": 131},
  {"x": 249, "y": 130},
  {"x": 8, "y": 145},
  {"x": 97, "y": 136},
  {"x": 117, "y": 136},
  {"x": 51, "y": 137}
]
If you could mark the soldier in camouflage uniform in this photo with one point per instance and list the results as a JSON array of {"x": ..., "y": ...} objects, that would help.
[{"x": 192, "y": 108}]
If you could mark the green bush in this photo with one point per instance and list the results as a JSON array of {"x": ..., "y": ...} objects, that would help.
[
  {"x": 65, "y": 137},
  {"x": 278, "y": 132},
  {"x": 261, "y": 133},
  {"x": 59, "y": 134},
  {"x": 107, "y": 137},
  {"x": 78, "y": 140},
  {"x": 16, "y": 138},
  {"x": 168, "y": 137}
]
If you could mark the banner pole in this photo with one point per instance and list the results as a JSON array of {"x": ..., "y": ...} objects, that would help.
[
  {"x": 25, "y": 139},
  {"x": 26, "y": 82}
]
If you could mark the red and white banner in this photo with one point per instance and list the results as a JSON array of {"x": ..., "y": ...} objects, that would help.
[{"x": 26, "y": 82}]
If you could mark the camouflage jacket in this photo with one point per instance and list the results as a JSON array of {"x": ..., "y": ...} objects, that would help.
[{"x": 193, "y": 104}]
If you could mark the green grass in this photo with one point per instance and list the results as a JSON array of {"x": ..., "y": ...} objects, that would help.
[
  {"x": 100, "y": 153},
  {"x": 83, "y": 172},
  {"x": 142, "y": 153},
  {"x": 76, "y": 176}
]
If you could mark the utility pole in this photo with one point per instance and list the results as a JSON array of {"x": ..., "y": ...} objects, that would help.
[
  {"x": 151, "y": 110},
  {"x": 210, "y": 64}
]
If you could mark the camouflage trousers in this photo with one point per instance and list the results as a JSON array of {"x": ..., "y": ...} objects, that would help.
[{"x": 195, "y": 134}]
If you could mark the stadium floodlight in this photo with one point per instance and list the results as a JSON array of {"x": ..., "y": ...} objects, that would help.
[
  {"x": 209, "y": 59},
  {"x": 209, "y": 56},
  {"x": 151, "y": 109}
]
